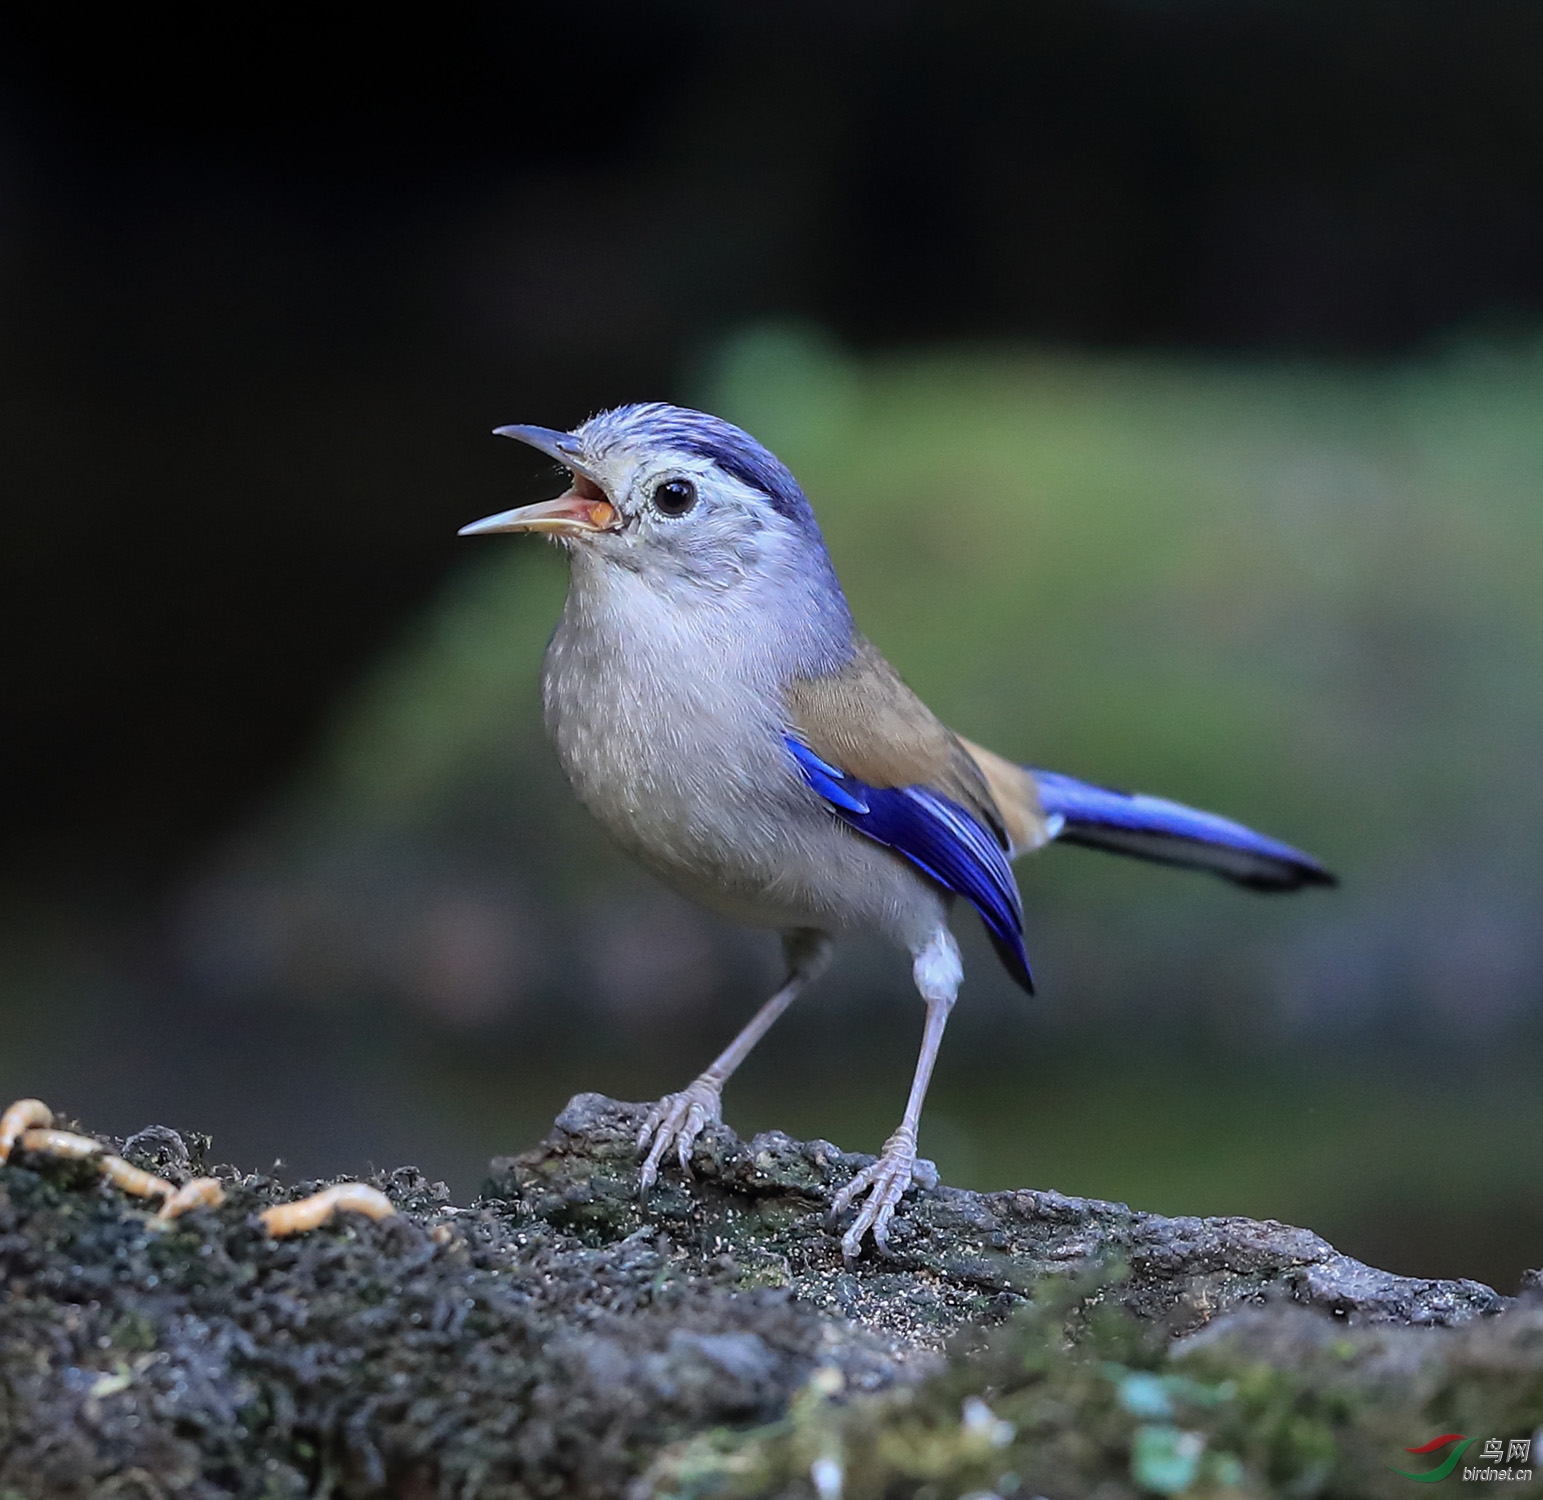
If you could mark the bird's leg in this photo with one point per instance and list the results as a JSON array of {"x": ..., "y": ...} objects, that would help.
[
  {"x": 678, "y": 1119},
  {"x": 938, "y": 973}
]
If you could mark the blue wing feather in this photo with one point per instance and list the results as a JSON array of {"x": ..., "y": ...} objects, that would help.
[{"x": 937, "y": 836}]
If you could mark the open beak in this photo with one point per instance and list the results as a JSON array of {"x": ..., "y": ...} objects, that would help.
[
  {"x": 582, "y": 511},
  {"x": 573, "y": 514}
]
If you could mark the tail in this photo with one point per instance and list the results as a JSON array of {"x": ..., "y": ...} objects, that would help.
[{"x": 1171, "y": 834}]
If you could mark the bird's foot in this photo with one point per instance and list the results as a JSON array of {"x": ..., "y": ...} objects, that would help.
[
  {"x": 885, "y": 1182},
  {"x": 677, "y": 1120}
]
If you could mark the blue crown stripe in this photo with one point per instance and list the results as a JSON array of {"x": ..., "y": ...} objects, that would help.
[{"x": 697, "y": 432}]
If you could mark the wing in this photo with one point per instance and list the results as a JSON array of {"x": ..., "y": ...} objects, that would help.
[
  {"x": 937, "y": 836},
  {"x": 864, "y": 719},
  {"x": 888, "y": 768}
]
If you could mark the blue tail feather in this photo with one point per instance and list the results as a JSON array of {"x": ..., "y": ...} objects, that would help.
[{"x": 1171, "y": 833}]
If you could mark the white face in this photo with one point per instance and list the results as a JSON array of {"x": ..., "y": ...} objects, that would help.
[
  {"x": 700, "y": 517},
  {"x": 681, "y": 522}
]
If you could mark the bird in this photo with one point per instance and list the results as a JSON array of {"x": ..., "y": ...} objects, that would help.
[{"x": 715, "y": 706}]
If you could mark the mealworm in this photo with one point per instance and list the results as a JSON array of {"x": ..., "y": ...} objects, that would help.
[
  {"x": 62, "y": 1143},
  {"x": 201, "y": 1192},
  {"x": 133, "y": 1180},
  {"x": 318, "y": 1209},
  {"x": 24, "y": 1114},
  {"x": 29, "y": 1123}
]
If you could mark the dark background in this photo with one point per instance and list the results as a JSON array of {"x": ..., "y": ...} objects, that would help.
[
  {"x": 259, "y": 282},
  {"x": 265, "y": 285}
]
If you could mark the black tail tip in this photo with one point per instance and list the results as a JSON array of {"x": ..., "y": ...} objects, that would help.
[{"x": 1287, "y": 878}]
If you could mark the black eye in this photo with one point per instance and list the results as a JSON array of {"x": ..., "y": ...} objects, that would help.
[{"x": 674, "y": 497}]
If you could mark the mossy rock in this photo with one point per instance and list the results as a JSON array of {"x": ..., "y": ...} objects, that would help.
[{"x": 561, "y": 1337}]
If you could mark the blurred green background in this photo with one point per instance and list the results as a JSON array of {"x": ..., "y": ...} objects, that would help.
[{"x": 1250, "y": 519}]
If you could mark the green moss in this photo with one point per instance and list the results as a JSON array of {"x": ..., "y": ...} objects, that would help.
[
  {"x": 1064, "y": 1402},
  {"x": 132, "y": 1332}
]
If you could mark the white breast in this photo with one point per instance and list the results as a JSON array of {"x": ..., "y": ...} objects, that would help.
[{"x": 668, "y": 724}]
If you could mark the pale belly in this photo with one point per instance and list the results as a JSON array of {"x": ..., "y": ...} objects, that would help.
[{"x": 691, "y": 779}]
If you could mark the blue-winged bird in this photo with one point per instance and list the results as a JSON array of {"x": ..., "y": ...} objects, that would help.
[{"x": 717, "y": 709}]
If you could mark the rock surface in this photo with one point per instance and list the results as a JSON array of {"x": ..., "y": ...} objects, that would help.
[
  {"x": 956, "y": 1257},
  {"x": 560, "y": 1337}
]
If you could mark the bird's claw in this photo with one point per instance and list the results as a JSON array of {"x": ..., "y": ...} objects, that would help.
[
  {"x": 677, "y": 1119},
  {"x": 886, "y": 1182}
]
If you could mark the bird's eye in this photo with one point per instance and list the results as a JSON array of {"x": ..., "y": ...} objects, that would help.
[{"x": 674, "y": 497}]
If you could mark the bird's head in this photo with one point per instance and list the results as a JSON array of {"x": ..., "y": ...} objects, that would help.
[{"x": 687, "y": 502}]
